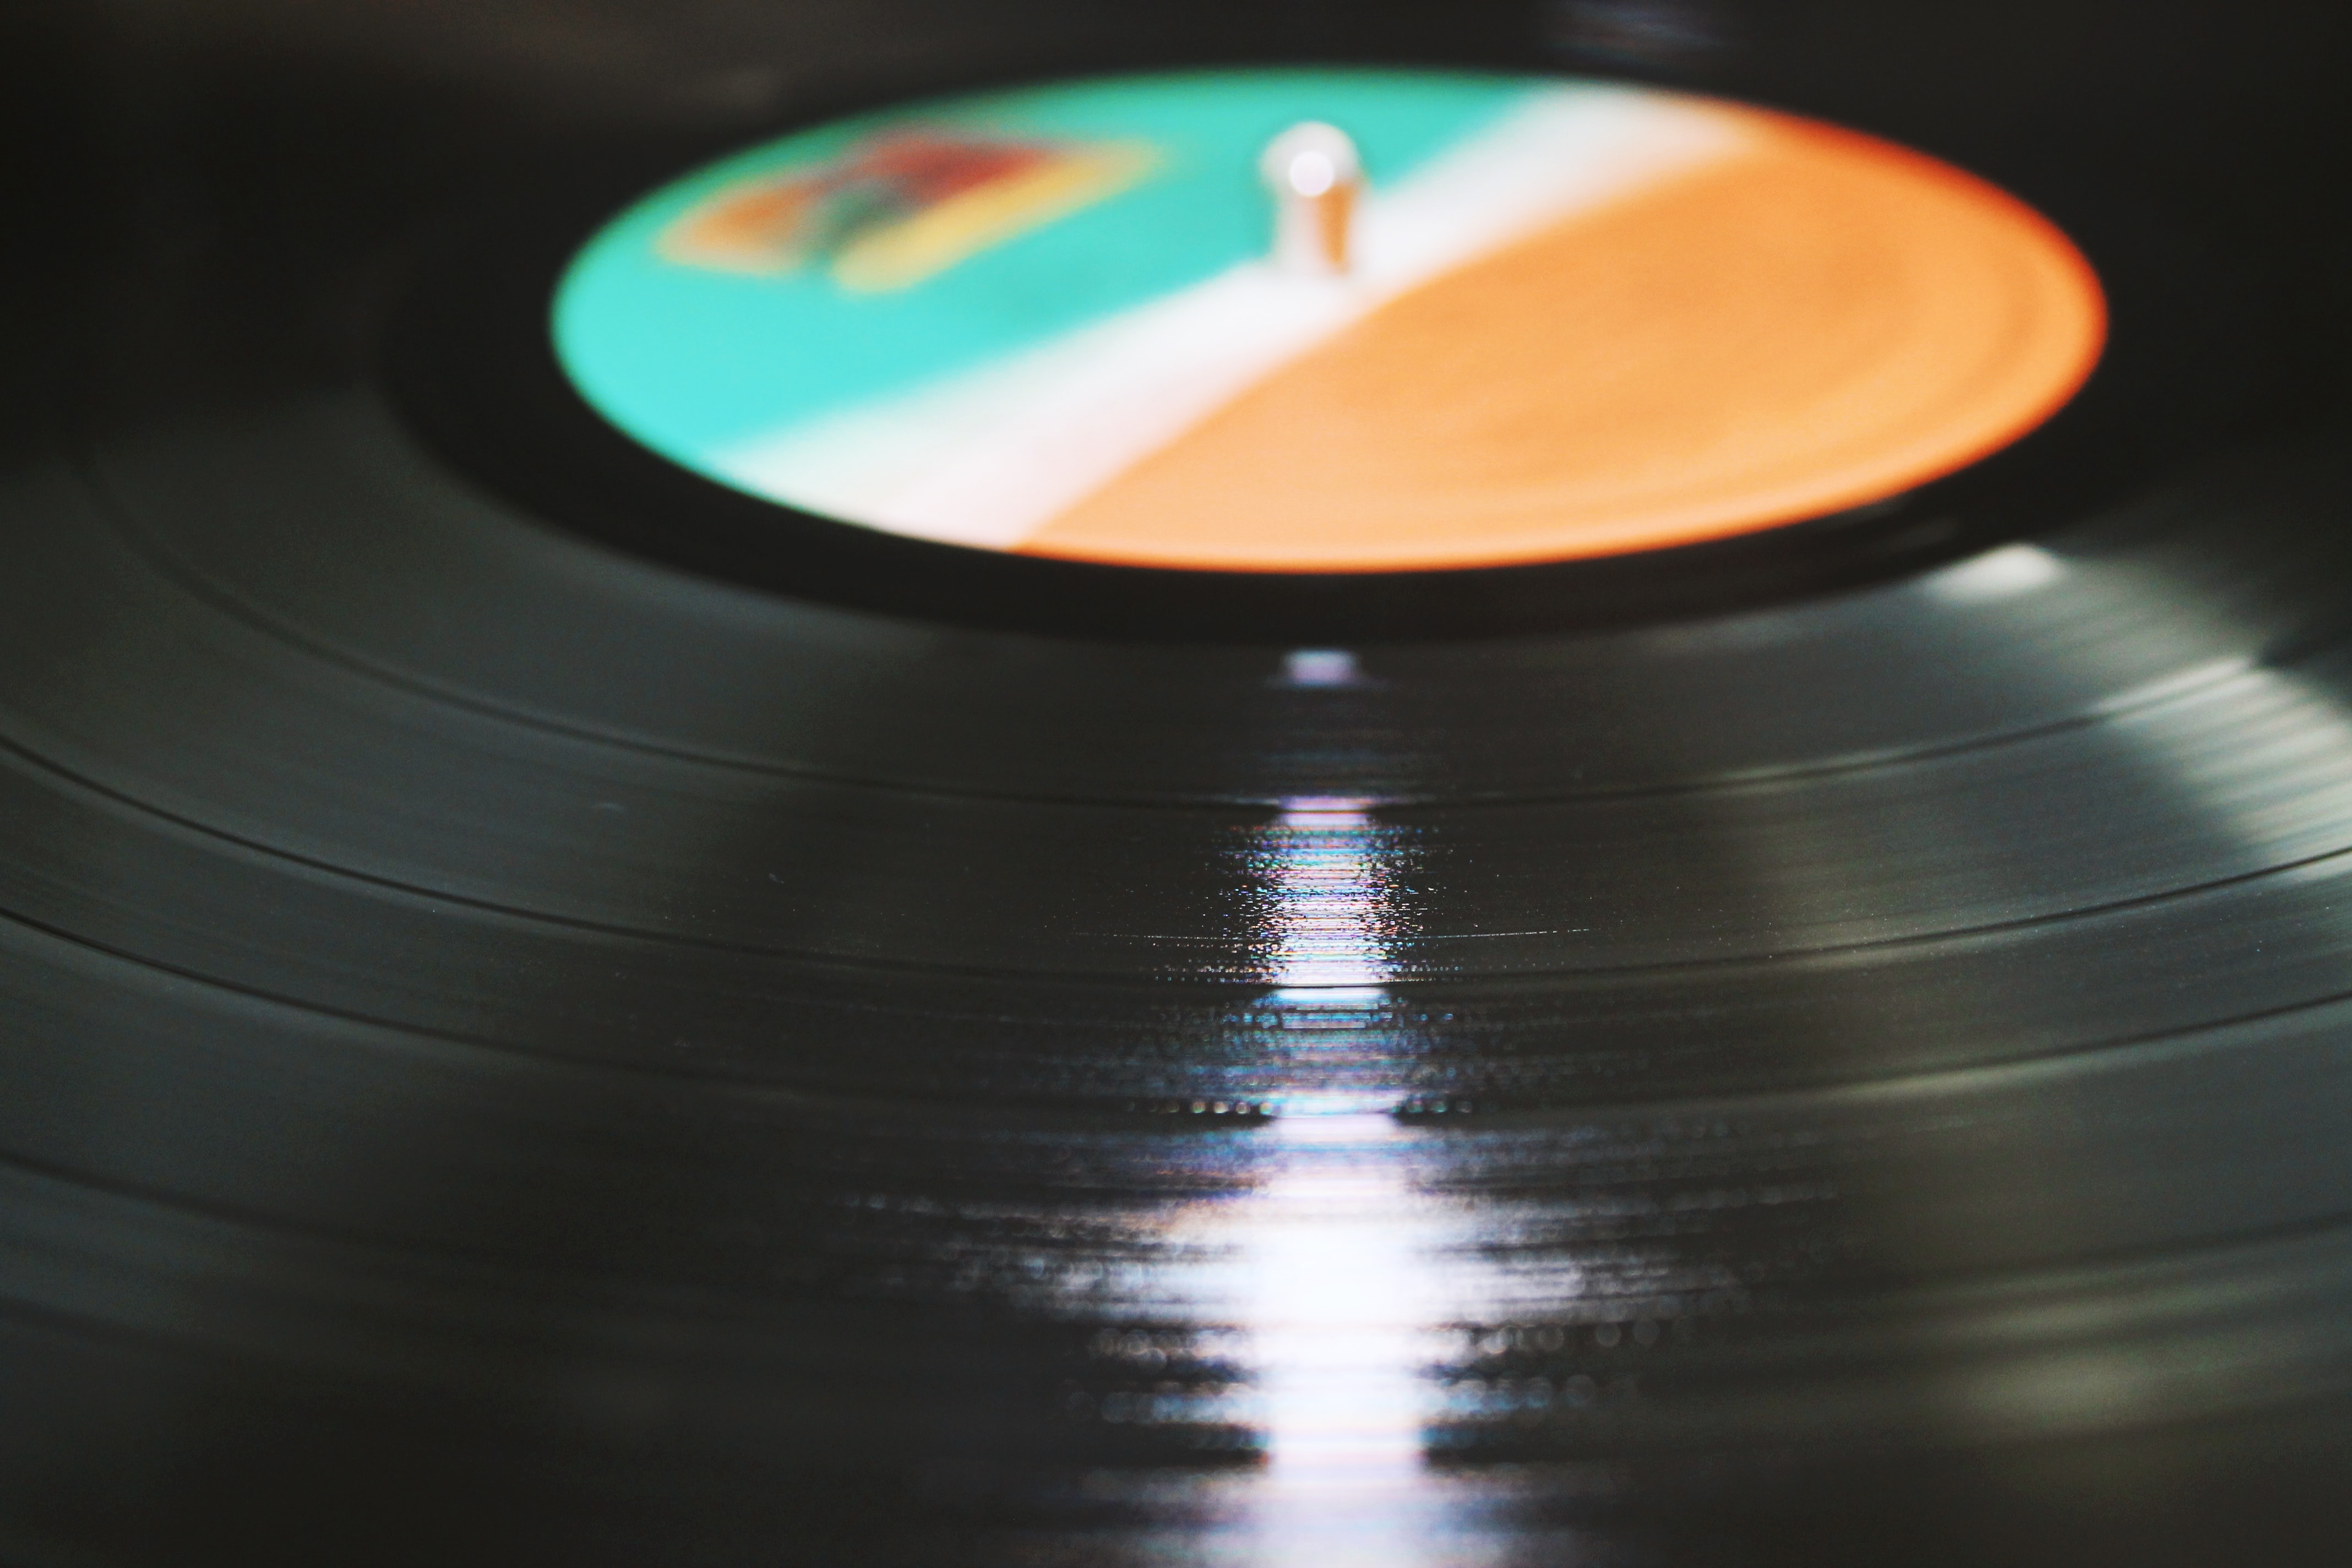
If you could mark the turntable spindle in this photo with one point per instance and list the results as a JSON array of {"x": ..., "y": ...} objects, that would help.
[{"x": 1316, "y": 177}]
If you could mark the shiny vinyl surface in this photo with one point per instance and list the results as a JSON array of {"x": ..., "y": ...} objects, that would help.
[{"x": 514, "y": 1053}]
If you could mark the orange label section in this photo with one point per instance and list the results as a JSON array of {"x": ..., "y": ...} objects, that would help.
[{"x": 1816, "y": 322}]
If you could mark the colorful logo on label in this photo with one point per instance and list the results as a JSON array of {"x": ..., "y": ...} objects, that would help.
[
  {"x": 1328, "y": 321},
  {"x": 900, "y": 208}
]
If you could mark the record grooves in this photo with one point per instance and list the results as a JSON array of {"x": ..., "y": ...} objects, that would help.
[{"x": 555, "y": 1011}]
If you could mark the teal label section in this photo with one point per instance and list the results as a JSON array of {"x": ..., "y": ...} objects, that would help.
[{"x": 1033, "y": 213}]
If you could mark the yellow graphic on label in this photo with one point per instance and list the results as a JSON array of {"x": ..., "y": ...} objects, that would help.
[{"x": 899, "y": 209}]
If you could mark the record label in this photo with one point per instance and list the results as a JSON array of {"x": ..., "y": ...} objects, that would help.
[{"x": 1328, "y": 321}]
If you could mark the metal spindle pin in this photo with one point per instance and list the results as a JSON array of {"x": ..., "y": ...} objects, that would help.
[{"x": 1316, "y": 179}]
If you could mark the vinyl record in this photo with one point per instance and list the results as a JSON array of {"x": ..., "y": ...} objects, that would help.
[{"x": 563, "y": 1006}]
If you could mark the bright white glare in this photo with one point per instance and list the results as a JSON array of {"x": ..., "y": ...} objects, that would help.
[
  {"x": 1336, "y": 1293},
  {"x": 1332, "y": 1252},
  {"x": 1313, "y": 172},
  {"x": 1330, "y": 813},
  {"x": 1327, "y": 880},
  {"x": 1320, "y": 666},
  {"x": 1331, "y": 998},
  {"x": 2002, "y": 574},
  {"x": 1337, "y": 1270}
]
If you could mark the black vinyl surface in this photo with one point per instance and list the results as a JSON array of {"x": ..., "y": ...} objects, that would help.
[{"x": 515, "y": 1051}]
